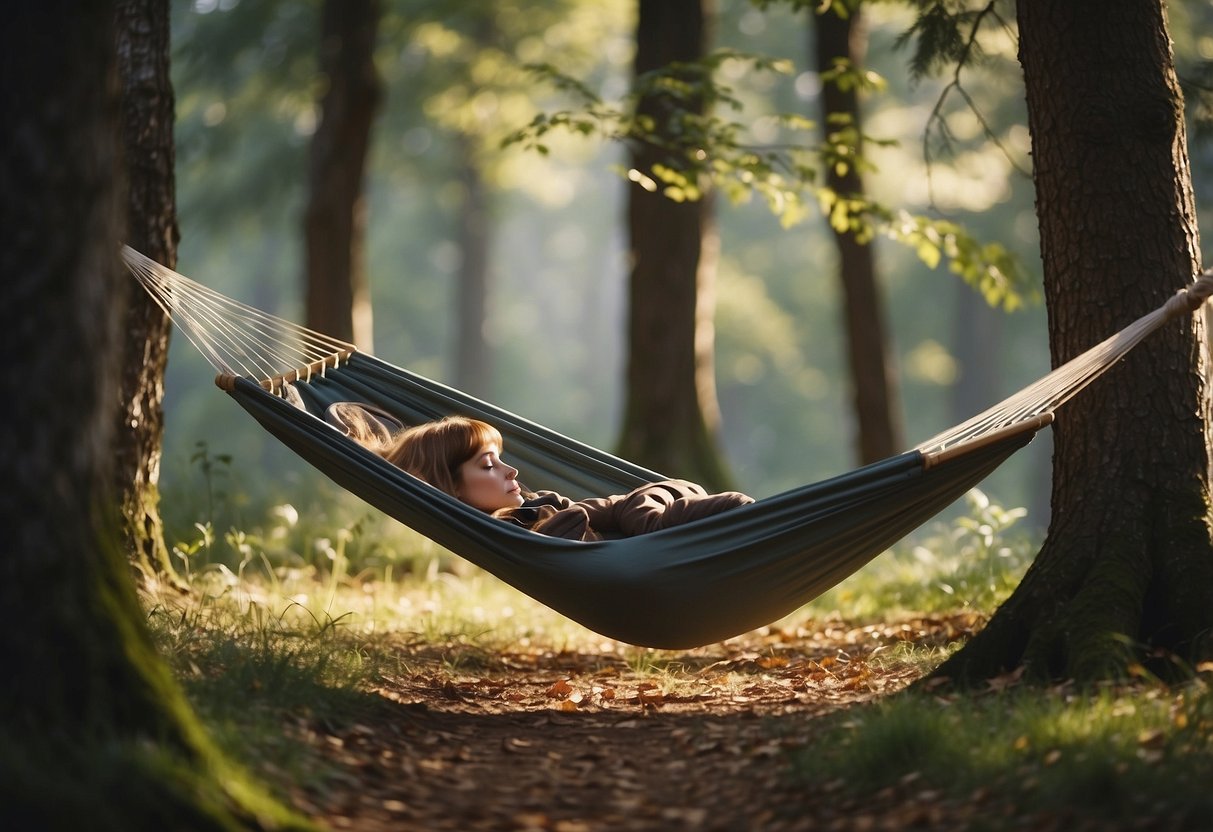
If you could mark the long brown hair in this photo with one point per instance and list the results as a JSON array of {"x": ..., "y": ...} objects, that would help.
[{"x": 434, "y": 451}]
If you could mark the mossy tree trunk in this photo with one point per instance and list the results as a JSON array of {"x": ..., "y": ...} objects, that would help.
[
  {"x": 838, "y": 37},
  {"x": 1128, "y": 559},
  {"x": 671, "y": 418},
  {"x": 147, "y": 137},
  {"x": 94, "y": 732},
  {"x": 338, "y": 295}
]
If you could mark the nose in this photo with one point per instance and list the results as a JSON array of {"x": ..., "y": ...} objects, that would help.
[{"x": 510, "y": 472}]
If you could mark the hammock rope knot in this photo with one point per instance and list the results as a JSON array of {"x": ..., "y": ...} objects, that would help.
[{"x": 1190, "y": 298}]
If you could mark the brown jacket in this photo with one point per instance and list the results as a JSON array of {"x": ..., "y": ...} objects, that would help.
[{"x": 648, "y": 508}]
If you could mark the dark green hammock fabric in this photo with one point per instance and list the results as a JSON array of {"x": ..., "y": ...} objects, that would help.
[{"x": 682, "y": 587}]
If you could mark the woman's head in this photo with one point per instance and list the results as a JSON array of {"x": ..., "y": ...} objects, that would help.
[{"x": 462, "y": 457}]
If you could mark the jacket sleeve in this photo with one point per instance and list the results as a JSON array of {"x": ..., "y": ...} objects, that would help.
[
  {"x": 660, "y": 505},
  {"x": 547, "y": 512}
]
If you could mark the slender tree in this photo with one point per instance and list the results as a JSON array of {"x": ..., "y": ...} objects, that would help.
[
  {"x": 338, "y": 297},
  {"x": 94, "y": 731},
  {"x": 147, "y": 140},
  {"x": 1128, "y": 561},
  {"x": 671, "y": 415},
  {"x": 839, "y": 41},
  {"x": 473, "y": 358}
]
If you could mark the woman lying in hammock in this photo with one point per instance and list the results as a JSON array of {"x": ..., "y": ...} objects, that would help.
[{"x": 462, "y": 457}]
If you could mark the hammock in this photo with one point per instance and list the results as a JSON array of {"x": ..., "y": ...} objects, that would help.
[{"x": 677, "y": 588}]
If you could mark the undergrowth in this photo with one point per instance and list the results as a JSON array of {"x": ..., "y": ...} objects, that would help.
[
  {"x": 260, "y": 680},
  {"x": 1119, "y": 752}
]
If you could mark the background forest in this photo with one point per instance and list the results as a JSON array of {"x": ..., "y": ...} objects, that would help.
[{"x": 245, "y": 77}]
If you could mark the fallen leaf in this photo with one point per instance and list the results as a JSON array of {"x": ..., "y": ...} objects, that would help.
[{"x": 560, "y": 689}]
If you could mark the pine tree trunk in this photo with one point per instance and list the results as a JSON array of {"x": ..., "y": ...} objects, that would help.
[
  {"x": 873, "y": 381},
  {"x": 1128, "y": 559},
  {"x": 672, "y": 416},
  {"x": 94, "y": 732},
  {"x": 147, "y": 137},
  {"x": 338, "y": 297}
]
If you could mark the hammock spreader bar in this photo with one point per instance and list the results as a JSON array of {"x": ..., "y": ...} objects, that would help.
[{"x": 677, "y": 588}]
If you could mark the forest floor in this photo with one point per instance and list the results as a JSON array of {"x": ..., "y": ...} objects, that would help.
[{"x": 462, "y": 738}]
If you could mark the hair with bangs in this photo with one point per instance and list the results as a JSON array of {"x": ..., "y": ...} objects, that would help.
[{"x": 435, "y": 451}]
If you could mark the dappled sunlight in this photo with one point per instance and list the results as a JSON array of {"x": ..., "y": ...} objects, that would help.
[{"x": 930, "y": 361}]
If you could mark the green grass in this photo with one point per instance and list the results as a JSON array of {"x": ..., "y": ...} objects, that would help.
[
  {"x": 251, "y": 666},
  {"x": 1144, "y": 751}
]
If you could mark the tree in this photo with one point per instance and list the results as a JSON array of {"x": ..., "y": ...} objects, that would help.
[
  {"x": 671, "y": 414},
  {"x": 1126, "y": 571},
  {"x": 95, "y": 732},
  {"x": 338, "y": 299},
  {"x": 147, "y": 137},
  {"x": 473, "y": 358},
  {"x": 468, "y": 78},
  {"x": 839, "y": 42}
]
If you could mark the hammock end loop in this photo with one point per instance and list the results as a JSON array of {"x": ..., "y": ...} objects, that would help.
[
  {"x": 1190, "y": 298},
  {"x": 225, "y": 382}
]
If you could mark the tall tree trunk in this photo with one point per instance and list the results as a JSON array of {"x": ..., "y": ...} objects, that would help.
[
  {"x": 147, "y": 138},
  {"x": 473, "y": 364},
  {"x": 838, "y": 37},
  {"x": 94, "y": 731},
  {"x": 671, "y": 418},
  {"x": 1129, "y": 555},
  {"x": 338, "y": 298}
]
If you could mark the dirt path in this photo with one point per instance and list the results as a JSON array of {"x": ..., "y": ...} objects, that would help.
[{"x": 578, "y": 741}]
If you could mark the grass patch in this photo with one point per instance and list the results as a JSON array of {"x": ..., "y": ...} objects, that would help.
[
  {"x": 260, "y": 679},
  {"x": 1144, "y": 752}
]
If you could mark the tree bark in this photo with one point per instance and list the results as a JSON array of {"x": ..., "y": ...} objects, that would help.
[
  {"x": 338, "y": 297},
  {"x": 94, "y": 731},
  {"x": 671, "y": 417},
  {"x": 1126, "y": 571},
  {"x": 147, "y": 138},
  {"x": 873, "y": 380}
]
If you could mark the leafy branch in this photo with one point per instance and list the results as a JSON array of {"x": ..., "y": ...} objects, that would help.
[
  {"x": 946, "y": 34},
  {"x": 691, "y": 129}
]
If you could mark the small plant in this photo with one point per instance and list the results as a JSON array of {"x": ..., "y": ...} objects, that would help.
[{"x": 215, "y": 469}]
